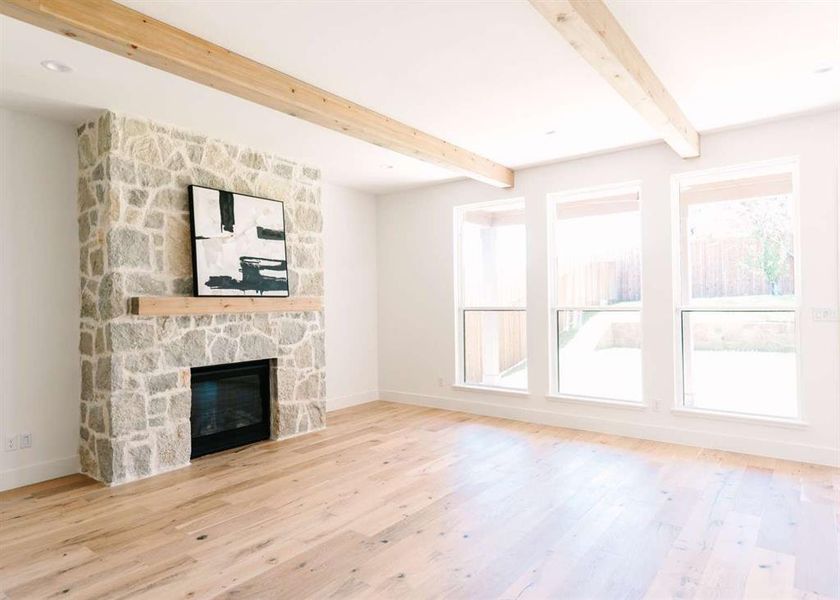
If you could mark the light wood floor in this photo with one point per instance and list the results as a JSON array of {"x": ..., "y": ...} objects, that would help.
[{"x": 401, "y": 502}]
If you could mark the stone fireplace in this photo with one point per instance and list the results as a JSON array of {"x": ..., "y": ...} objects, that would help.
[{"x": 134, "y": 234}]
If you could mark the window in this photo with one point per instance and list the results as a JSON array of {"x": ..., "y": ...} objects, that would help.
[
  {"x": 491, "y": 294},
  {"x": 737, "y": 315},
  {"x": 596, "y": 293}
]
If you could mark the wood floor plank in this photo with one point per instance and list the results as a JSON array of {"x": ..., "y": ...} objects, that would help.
[{"x": 395, "y": 501}]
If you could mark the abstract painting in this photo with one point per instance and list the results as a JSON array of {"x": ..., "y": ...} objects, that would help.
[{"x": 238, "y": 244}]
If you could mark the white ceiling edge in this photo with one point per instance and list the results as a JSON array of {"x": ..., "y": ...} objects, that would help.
[{"x": 825, "y": 109}]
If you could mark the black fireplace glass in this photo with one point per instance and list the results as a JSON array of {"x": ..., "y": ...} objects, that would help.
[{"x": 230, "y": 405}]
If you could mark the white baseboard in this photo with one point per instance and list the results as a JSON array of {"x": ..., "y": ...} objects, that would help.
[
  {"x": 20, "y": 476},
  {"x": 351, "y": 400},
  {"x": 822, "y": 455}
]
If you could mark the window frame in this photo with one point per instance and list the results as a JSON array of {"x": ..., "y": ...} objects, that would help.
[
  {"x": 682, "y": 283},
  {"x": 461, "y": 308},
  {"x": 593, "y": 193}
]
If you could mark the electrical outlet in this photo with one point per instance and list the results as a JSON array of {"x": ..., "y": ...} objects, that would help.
[
  {"x": 25, "y": 440},
  {"x": 11, "y": 443},
  {"x": 441, "y": 382},
  {"x": 824, "y": 314}
]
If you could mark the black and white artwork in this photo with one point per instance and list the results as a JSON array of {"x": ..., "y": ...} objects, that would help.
[{"x": 238, "y": 243}]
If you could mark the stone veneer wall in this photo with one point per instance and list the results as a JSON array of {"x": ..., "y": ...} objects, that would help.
[{"x": 135, "y": 240}]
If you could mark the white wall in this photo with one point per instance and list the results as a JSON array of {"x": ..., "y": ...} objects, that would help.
[
  {"x": 39, "y": 298},
  {"x": 350, "y": 290},
  {"x": 416, "y": 296}
]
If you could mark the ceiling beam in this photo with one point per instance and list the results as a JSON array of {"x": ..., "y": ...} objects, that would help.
[
  {"x": 121, "y": 30},
  {"x": 592, "y": 30}
]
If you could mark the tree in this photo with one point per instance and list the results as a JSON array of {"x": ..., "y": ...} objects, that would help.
[{"x": 770, "y": 221}]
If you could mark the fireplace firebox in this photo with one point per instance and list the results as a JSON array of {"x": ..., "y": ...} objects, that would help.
[{"x": 230, "y": 406}]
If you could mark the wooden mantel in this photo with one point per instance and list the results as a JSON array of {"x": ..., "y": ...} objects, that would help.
[{"x": 158, "y": 306}]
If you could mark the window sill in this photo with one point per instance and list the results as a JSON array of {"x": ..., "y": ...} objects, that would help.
[
  {"x": 754, "y": 419},
  {"x": 597, "y": 401},
  {"x": 491, "y": 390}
]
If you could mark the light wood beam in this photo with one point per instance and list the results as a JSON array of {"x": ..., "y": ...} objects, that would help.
[
  {"x": 208, "y": 305},
  {"x": 592, "y": 30},
  {"x": 121, "y": 30}
]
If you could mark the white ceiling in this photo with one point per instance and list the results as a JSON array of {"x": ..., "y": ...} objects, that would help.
[{"x": 490, "y": 76}]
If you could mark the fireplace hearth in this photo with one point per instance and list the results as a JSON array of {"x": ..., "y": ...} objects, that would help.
[{"x": 230, "y": 406}]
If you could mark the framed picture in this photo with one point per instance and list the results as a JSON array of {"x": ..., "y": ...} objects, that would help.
[{"x": 238, "y": 244}]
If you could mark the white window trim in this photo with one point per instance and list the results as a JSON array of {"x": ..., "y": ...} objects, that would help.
[
  {"x": 460, "y": 307},
  {"x": 575, "y": 195},
  {"x": 681, "y": 292}
]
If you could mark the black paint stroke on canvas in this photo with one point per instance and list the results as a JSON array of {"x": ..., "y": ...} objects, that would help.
[
  {"x": 256, "y": 276},
  {"x": 226, "y": 211},
  {"x": 264, "y": 233}
]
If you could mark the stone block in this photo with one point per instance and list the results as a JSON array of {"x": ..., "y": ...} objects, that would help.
[
  {"x": 143, "y": 284},
  {"x": 84, "y": 228},
  {"x": 103, "y": 373},
  {"x": 97, "y": 262},
  {"x": 128, "y": 248},
  {"x": 308, "y": 388},
  {"x": 189, "y": 350},
  {"x": 207, "y": 178},
  {"x": 176, "y": 247},
  {"x": 87, "y": 152},
  {"x": 88, "y": 461},
  {"x": 286, "y": 420},
  {"x": 176, "y": 163},
  {"x": 86, "y": 196},
  {"x": 173, "y": 446},
  {"x": 255, "y": 346},
  {"x": 87, "y": 381},
  {"x": 134, "y": 127},
  {"x": 140, "y": 460},
  {"x": 304, "y": 355},
  {"x": 96, "y": 419},
  {"x": 253, "y": 160},
  {"x": 132, "y": 336},
  {"x": 143, "y": 362},
  {"x": 121, "y": 170},
  {"x": 89, "y": 306},
  {"x": 138, "y": 197},
  {"x": 291, "y": 332},
  {"x": 149, "y": 176},
  {"x": 128, "y": 414},
  {"x": 158, "y": 405},
  {"x": 304, "y": 257},
  {"x": 171, "y": 199},
  {"x": 112, "y": 302},
  {"x": 144, "y": 149},
  {"x": 223, "y": 351},
  {"x": 317, "y": 412},
  {"x": 320, "y": 359},
  {"x": 160, "y": 384},
  {"x": 180, "y": 405},
  {"x": 154, "y": 220},
  {"x": 283, "y": 380}
]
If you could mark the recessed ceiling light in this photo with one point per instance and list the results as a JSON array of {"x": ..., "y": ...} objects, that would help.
[
  {"x": 824, "y": 69},
  {"x": 54, "y": 65}
]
